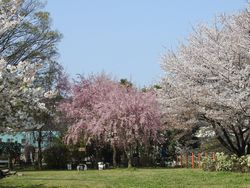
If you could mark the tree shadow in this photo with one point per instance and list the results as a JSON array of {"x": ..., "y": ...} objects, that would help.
[{"x": 29, "y": 186}]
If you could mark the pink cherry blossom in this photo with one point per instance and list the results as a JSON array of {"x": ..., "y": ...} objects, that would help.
[{"x": 101, "y": 107}]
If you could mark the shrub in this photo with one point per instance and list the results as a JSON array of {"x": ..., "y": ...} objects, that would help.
[
  {"x": 56, "y": 157},
  {"x": 208, "y": 164},
  {"x": 224, "y": 162},
  {"x": 244, "y": 162}
]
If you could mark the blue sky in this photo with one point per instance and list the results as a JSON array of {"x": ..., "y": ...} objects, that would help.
[{"x": 127, "y": 37}]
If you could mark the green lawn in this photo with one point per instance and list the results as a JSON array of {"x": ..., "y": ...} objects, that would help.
[{"x": 127, "y": 178}]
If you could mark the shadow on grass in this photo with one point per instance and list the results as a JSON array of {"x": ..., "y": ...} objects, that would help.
[
  {"x": 30, "y": 186},
  {"x": 59, "y": 179}
]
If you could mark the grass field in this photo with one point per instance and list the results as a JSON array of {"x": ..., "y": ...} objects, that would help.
[{"x": 145, "y": 178}]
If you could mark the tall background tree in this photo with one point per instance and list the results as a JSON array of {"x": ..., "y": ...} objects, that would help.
[
  {"x": 32, "y": 38},
  {"x": 29, "y": 70},
  {"x": 207, "y": 81},
  {"x": 28, "y": 67}
]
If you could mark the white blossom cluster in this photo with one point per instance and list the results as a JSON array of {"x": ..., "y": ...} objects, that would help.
[
  {"x": 8, "y": 14},
  {"x": 209, "y": 77},
  {"x": 20, "y": 97}
]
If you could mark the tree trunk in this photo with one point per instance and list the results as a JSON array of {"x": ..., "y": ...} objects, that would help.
[
  {"x": 97, "y": 157},
  {"x": 235, "y": 143},
  {"x": 247, "y": 149},
  {"x": 114, "y": 156},
  {"x": 10, "y": 165},
  {"x": 129, "y": 157},
  {"x": 130, "y": 162},
  {"x": 39, "y": 140}
]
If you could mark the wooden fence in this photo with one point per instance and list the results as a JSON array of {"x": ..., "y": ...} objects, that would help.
[{"x": 192, "y": 159}]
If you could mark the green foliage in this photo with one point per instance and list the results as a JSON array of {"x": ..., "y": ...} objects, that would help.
[
  {"x": 170, "y": 144},
  {"x": 9, "y": 149},
  {"x": 56, "y": 157},
  {"x": 156, "y": 86},
  {"x": 42, "y": 16},
  {"x": 125, "y": 82},
  {"x": 5, "y": 1},
  {"x": 211, "y": 144},
  {"x": 227, "y": 163},
  {"x": 76, "y": 156}
]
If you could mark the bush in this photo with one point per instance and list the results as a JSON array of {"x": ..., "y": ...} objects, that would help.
[
  {"x": 56, "y": 157},
  {"x": 208, "y": 164},
  {"x": 224, "y": 162}
]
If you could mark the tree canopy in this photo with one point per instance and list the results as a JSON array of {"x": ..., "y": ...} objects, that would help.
[
  {"x": 207, "y": 81},
  {"x": 102, "y": 108}
]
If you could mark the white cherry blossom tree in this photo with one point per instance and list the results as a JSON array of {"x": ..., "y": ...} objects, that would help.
[
  {"x": 21, "y": 98},
  {"x": 207, "y": 81}
]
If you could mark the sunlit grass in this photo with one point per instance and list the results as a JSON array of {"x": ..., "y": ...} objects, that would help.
[{"x": 127, "y": 178}]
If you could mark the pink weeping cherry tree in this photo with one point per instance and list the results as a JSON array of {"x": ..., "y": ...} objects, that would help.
[{"x": 114, "y": 113}]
